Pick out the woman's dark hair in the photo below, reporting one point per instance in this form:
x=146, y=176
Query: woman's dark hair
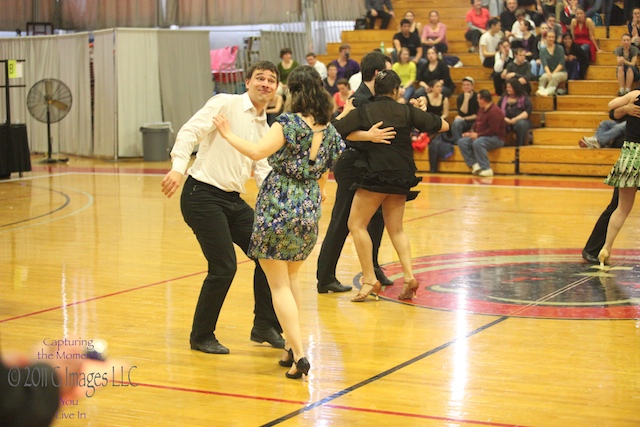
x=385, y=83
x=308, y=95
x=433, y=82
x=518, y=90
x=343, y=82
x=284, y=50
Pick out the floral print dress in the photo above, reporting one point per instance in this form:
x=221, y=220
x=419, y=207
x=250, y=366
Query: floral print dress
x=285, y=225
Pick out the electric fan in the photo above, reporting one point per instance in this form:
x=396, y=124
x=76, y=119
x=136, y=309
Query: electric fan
x=49, y=101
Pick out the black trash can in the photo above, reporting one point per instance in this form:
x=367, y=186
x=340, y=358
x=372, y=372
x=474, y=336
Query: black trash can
x=156, y=141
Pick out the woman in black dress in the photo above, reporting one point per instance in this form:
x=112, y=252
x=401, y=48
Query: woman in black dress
x=387, y=173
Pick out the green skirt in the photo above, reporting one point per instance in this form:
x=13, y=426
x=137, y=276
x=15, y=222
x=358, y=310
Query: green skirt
x=626, y=172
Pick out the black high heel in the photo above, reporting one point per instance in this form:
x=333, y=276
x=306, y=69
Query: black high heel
x=289, y=362
x=302, y=369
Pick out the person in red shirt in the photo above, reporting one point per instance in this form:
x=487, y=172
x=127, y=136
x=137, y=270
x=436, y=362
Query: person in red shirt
x=476, y=18
x=487, y=134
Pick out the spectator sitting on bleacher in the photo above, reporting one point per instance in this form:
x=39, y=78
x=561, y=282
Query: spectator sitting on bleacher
x=477, y=20
x=435, y=34
x=285, y=67
x=548, y=8
x=467, y=104
x=575, y=60
x=407, y=71
x=567, y=14
x=416, y=27
x=552, y=58
x=539, y=43
x=375, y=10
x=405, y=38
x=627, y=68
x=516, y=107
x=346, y=67
x=503, y=56
x=609, y=134
x=489, y=43
x=508, y=17
x=519, y=69
x=341, y=96
x=516, y=28
x=553, y=24
x=437, y=103
x=634, y=27
x=584, y=33
x=330, y=82
x=434, y=69
x=486, y=134
x=528, y=39
x=318, y=65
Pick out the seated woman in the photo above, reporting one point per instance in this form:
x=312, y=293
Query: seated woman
x=439, y=149
x=285, y=66
x=539, y=43
x=633, y=27
x=477, y=19
x=387, y=175
x=416, y=27
x=575, y=60
x=406, y=70
x=627, y=68
x=584, y=34
x=434, y=69
x=341, y=96
x=552, y=58
x=437, y=103
x=435, y=34
x=516, y=106
x=330, y=82
x=567, y=14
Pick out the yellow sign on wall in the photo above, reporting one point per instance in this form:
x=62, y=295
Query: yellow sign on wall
x=15, y=69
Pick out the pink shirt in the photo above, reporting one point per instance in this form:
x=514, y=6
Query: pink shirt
x=428, y=33
x=476, y=20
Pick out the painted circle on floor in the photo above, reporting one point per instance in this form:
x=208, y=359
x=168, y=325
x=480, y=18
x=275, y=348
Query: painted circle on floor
x=525, y=283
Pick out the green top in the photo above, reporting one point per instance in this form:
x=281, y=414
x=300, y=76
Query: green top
x=284, y=73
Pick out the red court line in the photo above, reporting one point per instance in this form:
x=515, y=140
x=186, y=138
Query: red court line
x=124, y=291
x=346, y=408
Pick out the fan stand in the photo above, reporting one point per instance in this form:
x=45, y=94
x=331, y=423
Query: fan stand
x=49, y=159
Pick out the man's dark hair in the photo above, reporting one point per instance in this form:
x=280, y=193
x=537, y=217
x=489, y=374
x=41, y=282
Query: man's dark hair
x=404, y=21
x=265, y=66
x=485, y=95
x=372, y=62
x=492, y=22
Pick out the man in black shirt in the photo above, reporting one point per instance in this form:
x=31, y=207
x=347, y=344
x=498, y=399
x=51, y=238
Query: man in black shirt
x=405, y=38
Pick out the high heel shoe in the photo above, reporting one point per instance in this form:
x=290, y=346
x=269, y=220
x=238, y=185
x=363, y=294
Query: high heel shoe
x=289, y=362
x=603, y=257
x=302, y=368
x=362, y=295
x=409, y=290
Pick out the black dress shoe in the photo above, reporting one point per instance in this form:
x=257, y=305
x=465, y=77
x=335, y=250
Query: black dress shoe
x=269, y=335
x=384, y=280
x=590, y=258
x=333, y=287
x=211, y=346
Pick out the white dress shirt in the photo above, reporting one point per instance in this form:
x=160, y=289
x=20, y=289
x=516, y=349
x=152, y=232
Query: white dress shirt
x=217, y=162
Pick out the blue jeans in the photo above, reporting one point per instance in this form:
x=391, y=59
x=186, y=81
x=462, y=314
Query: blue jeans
x=458, y=127
x=521, y=129
x=475, y=151
x=608, y=130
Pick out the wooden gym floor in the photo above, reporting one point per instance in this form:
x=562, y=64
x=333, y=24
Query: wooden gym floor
x=510, y=327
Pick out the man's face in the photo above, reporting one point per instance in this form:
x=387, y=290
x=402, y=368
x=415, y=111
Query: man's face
x=551, y=21
x=481, y=102
x=405, y=29
x=520, y=57
x=261, y=87
x=311, y=60
x=512, y=5
x=467, y=86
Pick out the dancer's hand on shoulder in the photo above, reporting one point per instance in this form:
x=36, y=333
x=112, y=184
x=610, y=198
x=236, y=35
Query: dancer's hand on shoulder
x=222, y=124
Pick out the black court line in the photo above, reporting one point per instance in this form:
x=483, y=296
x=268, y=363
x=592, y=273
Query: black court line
x=67, y=200
x=383, y=374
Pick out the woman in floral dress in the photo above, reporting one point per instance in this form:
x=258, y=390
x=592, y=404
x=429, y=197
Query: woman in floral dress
x=302, y=145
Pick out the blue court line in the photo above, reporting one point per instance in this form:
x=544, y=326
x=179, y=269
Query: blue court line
x=383, y=374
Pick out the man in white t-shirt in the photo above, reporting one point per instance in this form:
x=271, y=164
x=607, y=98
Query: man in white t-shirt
x=318, y=65
x=489, y=42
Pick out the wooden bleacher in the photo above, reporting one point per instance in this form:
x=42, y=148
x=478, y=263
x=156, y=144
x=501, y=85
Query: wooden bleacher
x=558, y=123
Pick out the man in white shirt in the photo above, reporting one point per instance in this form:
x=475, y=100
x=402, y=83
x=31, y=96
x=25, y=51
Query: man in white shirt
x=318, y=65
x=489, y=42
x=212, y=207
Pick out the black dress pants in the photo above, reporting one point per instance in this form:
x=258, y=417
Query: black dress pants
x=338, y=230
x=219, y=219
x=384, y=17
